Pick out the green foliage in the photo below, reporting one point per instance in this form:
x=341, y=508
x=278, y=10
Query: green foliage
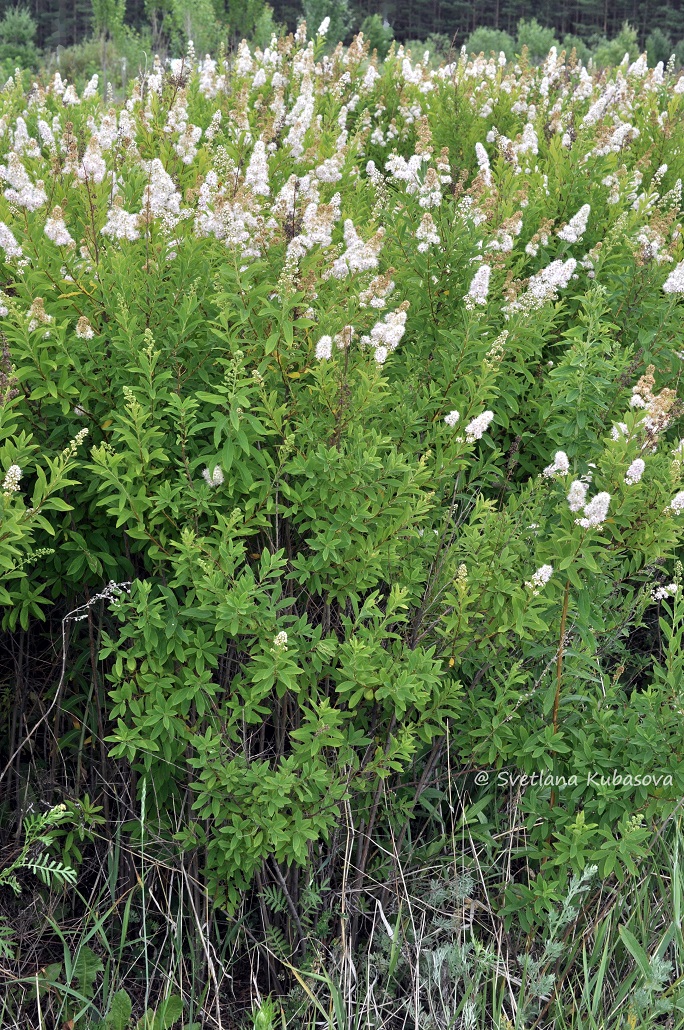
x=658, y=47
x=576, y=43
x=378, y=34
x=536, y=38
x=488, y=41
x=108, y=17
x=612, y=52
x=195, y=21
x=265, y=27
x=39, y=834
x=252, y=20
x=17, y=39
x=339, y=13
x=71, y=986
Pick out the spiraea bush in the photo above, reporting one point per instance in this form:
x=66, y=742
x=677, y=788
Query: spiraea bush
x=358, y=385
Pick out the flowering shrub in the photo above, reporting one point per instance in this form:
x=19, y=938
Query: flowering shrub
x=379, y=369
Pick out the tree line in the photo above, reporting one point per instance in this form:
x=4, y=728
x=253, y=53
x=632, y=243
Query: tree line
x=61, y=23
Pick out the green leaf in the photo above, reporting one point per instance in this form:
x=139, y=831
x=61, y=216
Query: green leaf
x=86, y=968
x=119, y=1014
x=636, y=951
x=167, y=1013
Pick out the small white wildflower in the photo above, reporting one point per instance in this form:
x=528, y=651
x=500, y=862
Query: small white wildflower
x=677, y=502
x=595, y=512
x=483, y=163
x=543, y=287
x=540, y=578
x=38, y=315
x=256, y=176
x=675, y=280
x=452, y=418
x=427, y=233
x=476, y=429
x=56, y=230
x=280, y=641
x=11, y=482
x=574, y=230
x=386, y=335
x=324, y=348
x=662, y=593
x=479, y=288
x=559, y=467
x=635, y=471
x=323, y=27
x=91, y=89
x=8, y=242
x=84, y=330
x=214, y=478
x=577, y=495
x=120, y=224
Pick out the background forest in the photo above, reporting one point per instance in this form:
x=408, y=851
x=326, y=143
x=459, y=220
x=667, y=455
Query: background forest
x=120, y=36
x=60, y=23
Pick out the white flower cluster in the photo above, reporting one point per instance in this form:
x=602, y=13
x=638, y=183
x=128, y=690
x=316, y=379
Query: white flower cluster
x=540, y=578
x=93, y=167
x=120, y=224
x=91, y=88
x=359, y=256
x=452, y=418
x=479, y=288
x=635, y=472
x=662, y=593
x=675, y=280
x=576, y=227
x=427, y=233
x=560, y=466
x=8, y=242
x=378, y=291
x=577, y=495
x=56, y=230
x=476, y=429
x=280, y=641
x=84, y=329
x=256, y=176
x=677, y=503
x=430, y=192
x=214, y=478
x=11, y=481
x=38, y=315
x=595, y=512
x=406, y=171
x=186, y=144
x=386, y=336
x=324, y=348
x=161, y=199
x=483, y=164
x=299, y=118
x=21, y=190
x=543, y=287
